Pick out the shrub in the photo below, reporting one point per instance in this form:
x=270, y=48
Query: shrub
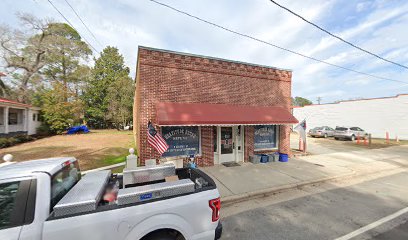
x=10, y=141
x=4, y=142
x=44, y=130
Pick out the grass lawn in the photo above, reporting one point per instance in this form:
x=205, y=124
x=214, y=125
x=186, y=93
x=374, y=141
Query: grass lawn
x=96, y=149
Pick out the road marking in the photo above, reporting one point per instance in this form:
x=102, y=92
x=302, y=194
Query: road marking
x=373, y=225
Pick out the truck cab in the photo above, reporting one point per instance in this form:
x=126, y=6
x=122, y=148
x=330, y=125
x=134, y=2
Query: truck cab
x=31, y=193
x=28, y=192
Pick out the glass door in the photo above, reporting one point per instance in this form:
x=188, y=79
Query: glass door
x=227, y=145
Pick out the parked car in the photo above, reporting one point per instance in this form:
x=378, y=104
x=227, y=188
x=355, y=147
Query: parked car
x=324, y=131
x=48, y=199
x=351, y=133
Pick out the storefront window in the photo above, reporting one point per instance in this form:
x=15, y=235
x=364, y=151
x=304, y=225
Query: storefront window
x=182, y=141
x=265, y=137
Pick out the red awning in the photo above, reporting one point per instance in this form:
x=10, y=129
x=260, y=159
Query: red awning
x=178, y=114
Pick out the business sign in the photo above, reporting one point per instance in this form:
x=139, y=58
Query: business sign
x=181, y=141
x=265, y=137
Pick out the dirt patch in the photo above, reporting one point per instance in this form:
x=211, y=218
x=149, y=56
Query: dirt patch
x=95, y=149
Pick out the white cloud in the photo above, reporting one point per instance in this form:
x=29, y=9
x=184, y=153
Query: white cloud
x=127, y=24
x=362, y=6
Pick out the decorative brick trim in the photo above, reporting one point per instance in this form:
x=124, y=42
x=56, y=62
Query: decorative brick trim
x=191, y=79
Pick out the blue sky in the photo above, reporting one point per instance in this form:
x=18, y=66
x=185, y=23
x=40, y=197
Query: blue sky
x=380, y=26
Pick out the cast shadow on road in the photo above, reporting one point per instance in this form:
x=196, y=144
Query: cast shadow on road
x=325, y=215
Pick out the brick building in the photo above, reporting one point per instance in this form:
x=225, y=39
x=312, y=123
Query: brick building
x=219, y=110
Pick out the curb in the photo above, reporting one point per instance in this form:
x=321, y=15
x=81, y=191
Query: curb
x=268, y=191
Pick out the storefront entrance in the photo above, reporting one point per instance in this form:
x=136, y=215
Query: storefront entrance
x=229, y=144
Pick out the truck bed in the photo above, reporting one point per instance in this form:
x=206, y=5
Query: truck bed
x=202, y=182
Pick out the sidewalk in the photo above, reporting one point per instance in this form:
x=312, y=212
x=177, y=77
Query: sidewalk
x=235, y=183
x=252, y=179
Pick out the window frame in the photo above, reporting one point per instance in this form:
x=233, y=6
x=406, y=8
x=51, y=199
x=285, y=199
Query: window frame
x=277, y=129
x=183, y=156
x=16, y=119
x=76, y=164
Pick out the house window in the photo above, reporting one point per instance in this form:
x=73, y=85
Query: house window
x=13, y=118
x=182, y=141
x=33, y=117
x=265, y=137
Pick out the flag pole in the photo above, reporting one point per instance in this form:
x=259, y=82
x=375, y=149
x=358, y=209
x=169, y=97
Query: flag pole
x=304, y=135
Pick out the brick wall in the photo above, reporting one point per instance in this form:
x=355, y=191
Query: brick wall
x=249, y=142
x=171, y=77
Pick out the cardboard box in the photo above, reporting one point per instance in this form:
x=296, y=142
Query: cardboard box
x=171, y=178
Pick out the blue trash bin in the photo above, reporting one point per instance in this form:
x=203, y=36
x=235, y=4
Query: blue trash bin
x=283, y=157
x=264, y=158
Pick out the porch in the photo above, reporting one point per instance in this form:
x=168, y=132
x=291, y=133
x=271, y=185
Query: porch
x=13, y=121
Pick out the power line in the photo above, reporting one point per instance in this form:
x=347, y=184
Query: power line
x=339, y=38
x=72, y=25
x=89, y=30
x=274, y=45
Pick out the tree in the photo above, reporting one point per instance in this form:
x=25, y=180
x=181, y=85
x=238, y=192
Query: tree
x=300, y=101
x=120, y=95
x=41, y=51
x=57, y=113
x=67, y=50
x=3, y=87
x=24, y=52
x=108, y=73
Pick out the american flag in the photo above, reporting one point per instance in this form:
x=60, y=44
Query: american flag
x=155, y=140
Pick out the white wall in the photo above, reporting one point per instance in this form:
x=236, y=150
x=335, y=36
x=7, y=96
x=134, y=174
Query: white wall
x=33, y=124
x=376, y=116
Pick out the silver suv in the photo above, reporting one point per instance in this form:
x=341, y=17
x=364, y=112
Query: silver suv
x=324, y=131
x=351, y=133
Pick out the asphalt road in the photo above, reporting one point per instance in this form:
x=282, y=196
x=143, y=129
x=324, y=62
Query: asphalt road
x=326, y=211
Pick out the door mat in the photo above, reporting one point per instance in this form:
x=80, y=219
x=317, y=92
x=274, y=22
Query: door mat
x=231, y=164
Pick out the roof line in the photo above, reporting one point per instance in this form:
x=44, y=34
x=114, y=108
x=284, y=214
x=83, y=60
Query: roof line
x=8, y=101
x=213, y=58
x=353, y=100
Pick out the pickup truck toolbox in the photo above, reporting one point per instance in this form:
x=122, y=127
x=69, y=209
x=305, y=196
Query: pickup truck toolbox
x=48, y=199
x=85, y=195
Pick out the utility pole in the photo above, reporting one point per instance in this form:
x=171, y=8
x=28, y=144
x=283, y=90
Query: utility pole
x=319, y=99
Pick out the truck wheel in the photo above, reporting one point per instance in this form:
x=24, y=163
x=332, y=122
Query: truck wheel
x=325, y=135
x=163, y=235
x=336, y=138
x=353, y=138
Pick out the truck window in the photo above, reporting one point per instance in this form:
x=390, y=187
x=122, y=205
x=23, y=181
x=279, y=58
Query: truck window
x=63, y=181
x=8, y=200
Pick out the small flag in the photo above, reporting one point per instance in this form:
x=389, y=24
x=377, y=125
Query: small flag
x=301, y=129
x=156, y=140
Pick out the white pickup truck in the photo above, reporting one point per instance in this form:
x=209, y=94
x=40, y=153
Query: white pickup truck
x=48, y=199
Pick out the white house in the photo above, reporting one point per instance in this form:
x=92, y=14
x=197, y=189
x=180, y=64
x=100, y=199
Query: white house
x=375, y=115
x=18, y=118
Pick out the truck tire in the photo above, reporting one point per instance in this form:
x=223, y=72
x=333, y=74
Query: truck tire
x=353, y=138
x=325, y=135
x=162, y=235
x=336, y=138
